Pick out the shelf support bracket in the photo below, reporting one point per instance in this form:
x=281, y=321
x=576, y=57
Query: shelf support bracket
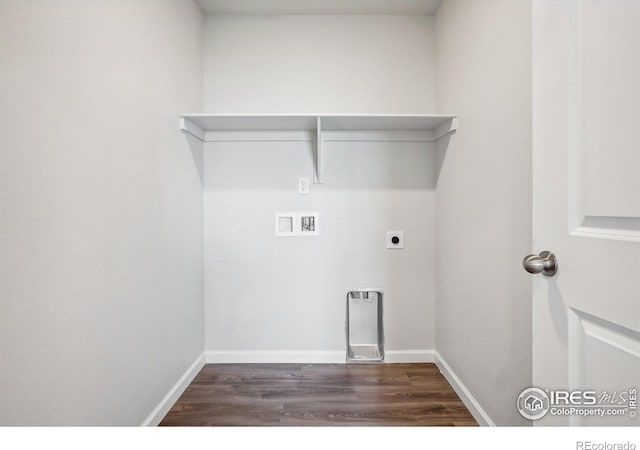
x=188, y=127
x=446, y=129
x=318, y=179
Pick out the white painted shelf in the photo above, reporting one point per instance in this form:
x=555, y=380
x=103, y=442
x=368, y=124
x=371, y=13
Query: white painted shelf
x=319, y=128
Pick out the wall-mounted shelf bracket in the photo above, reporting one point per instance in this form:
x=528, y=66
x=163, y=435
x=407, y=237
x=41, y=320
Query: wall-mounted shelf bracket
x=445, y=129
x=319, y=162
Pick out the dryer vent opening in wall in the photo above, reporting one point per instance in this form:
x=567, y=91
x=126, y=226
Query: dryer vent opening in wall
x=365, y=334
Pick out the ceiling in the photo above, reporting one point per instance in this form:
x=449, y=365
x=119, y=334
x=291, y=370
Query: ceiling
x=410, y=7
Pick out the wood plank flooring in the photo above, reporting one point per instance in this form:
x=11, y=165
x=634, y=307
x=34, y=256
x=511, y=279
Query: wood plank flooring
x=319, y=395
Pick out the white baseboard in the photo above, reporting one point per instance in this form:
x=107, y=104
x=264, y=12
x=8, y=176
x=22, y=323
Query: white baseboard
x=310, y=357
x=273, y=357
x=409, y=356
x=469, y=401
x=174, y=393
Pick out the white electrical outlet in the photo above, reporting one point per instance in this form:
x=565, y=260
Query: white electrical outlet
x=303, y=186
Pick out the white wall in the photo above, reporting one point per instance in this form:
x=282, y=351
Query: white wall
x=100, y=200
x=321, y=63
x=266, y=293
x=288, y=294
x=484, y=200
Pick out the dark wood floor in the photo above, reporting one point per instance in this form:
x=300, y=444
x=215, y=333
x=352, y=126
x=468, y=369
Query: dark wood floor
x=319, y=395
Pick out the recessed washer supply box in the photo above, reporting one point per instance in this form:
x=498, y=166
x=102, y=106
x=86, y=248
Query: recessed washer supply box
x=297, y=224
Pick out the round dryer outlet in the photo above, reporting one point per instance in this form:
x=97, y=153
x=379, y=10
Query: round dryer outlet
x=395, y=239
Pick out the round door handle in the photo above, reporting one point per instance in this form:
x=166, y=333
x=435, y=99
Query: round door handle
x=545, y=263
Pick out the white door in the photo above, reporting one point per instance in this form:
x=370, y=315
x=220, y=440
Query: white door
x=586, y=157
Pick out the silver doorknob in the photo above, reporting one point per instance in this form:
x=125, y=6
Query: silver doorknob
x=545, y=263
